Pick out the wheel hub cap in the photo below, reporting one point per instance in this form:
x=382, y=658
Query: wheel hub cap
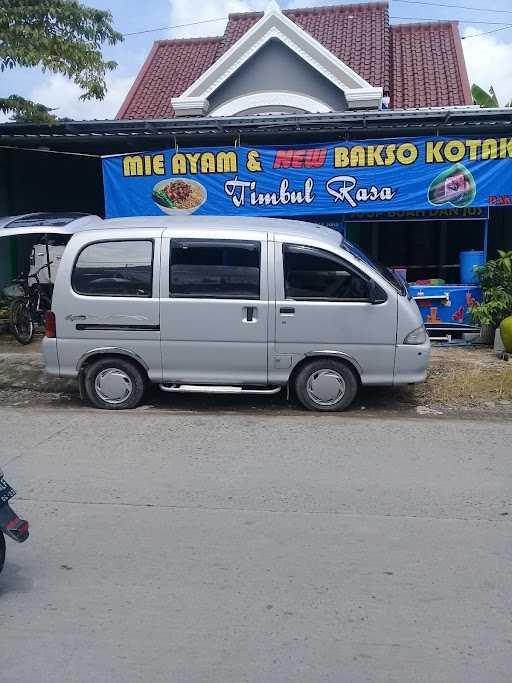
x=113, y=385
x=326, y=387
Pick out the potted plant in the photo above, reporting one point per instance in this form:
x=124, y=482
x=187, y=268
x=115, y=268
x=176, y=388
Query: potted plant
x=496, y=280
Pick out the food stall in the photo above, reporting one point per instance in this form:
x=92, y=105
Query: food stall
x=435, y=251
x=419, y=205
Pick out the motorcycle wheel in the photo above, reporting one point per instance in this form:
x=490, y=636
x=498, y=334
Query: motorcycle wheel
x=2, y=551
x=20, y=321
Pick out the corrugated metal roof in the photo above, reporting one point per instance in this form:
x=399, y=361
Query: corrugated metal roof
x=350, y=125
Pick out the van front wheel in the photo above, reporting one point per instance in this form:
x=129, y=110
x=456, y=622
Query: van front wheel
x=326, y=385
x=114, y=384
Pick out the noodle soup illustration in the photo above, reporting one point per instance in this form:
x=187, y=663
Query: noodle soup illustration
x=179, y=195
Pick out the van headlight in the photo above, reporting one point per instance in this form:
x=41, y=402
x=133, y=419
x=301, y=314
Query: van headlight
x=417, y=336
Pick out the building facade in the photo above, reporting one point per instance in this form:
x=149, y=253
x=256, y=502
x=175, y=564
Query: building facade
x=332, y=92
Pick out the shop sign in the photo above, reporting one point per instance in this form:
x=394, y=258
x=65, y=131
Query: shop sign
x=475, y=213
x=395, y=175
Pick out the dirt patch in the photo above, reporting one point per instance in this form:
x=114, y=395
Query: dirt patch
x=466, y=377
x=8, y=344
x=22, y=375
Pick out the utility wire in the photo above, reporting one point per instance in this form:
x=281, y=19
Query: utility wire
x=485, y=33
x=505, y=24
x=502, y=25
x=445, y=4
x=168, y=28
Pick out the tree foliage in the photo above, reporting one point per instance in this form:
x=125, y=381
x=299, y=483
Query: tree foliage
x=61, y=36
x=496, y=280
x=25, y=111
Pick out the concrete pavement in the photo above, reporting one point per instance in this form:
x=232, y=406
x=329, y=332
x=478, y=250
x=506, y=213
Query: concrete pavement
x=236, y=547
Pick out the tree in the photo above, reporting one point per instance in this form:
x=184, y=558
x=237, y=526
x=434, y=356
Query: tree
x=25, y=111
x=61, y=36
x=486, y=99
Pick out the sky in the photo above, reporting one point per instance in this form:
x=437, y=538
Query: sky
x=488, y=57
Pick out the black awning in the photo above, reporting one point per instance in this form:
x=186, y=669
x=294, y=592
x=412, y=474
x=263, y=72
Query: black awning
x=105, y=137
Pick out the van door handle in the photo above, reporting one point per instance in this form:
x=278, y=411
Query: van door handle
x=250, y=314
x=287, y=311
x=76, y=317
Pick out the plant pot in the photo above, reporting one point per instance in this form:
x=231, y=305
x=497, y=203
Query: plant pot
x=487, y=333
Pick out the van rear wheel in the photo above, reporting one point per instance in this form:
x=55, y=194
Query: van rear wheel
x=114, y=384
x=326, y=385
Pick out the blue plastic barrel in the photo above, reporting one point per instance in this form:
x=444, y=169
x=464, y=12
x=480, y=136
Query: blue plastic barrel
x=468, y=261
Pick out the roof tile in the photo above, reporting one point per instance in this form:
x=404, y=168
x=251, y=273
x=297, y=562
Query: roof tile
x=171, y=67
x=427, y=66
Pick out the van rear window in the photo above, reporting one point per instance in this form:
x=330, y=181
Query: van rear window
x=115, y=268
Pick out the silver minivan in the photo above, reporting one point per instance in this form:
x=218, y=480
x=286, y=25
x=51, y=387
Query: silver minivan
x=229, y=305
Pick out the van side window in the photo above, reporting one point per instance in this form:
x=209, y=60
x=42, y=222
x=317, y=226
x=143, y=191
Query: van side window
x=215, y=269
x=311, y=273
x=115, y=268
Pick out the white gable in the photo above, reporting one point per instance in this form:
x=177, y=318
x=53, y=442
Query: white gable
x=273, y=25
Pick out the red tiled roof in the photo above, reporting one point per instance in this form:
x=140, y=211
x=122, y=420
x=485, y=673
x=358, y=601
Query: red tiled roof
x=356, y=34
x=237, y=26
x=170, y=68
x=428, y=68
x=421, y=65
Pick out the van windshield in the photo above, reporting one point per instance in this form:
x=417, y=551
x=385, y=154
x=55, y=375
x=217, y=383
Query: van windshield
x=387, y=273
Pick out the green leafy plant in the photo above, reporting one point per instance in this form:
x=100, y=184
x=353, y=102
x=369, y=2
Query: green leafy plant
x=61, y=36
x=484, y=98
x=496, y=280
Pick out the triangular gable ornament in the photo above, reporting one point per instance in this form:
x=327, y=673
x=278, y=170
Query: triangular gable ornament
x=359, y=94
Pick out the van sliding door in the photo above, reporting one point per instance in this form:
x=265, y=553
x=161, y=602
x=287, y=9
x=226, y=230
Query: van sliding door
x=214, y=311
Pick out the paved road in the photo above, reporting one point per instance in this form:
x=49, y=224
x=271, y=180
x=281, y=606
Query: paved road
x=229, y=548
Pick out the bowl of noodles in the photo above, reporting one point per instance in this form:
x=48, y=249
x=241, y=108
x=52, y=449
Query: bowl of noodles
x=178, y=195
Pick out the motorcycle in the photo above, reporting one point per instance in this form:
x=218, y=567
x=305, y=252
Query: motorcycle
x=10, y=524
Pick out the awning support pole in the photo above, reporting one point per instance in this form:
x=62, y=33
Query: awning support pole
x=486, y=237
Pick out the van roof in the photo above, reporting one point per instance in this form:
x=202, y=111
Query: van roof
x=289, y=228
x=48, y=223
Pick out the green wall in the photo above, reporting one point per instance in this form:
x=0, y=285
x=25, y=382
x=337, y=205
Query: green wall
x=40, y=181
x=6, y=270
x=500, y=230
x=6, y=274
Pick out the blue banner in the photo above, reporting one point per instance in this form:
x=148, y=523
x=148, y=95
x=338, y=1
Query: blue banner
x=397, y=175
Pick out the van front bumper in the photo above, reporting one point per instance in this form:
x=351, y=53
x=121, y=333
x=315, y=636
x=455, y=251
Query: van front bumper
x=49, y=348
x=411, y=363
